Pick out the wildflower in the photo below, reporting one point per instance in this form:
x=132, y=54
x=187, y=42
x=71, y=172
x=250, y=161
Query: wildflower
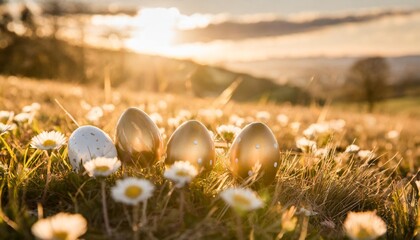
x=295, y=126
x=210, y=115
x=353, y=148
x=108, y=107
x=132, y=190
x=34, y=107
x=393, y=134
x=184, y=114
x=307, y=212
x=5, y=127
x=241, y=199
x=337, y=125
x=94, y=114
x=228, y=132
x=85, y=105
x=236, y=120
x=306, y=145
x=156, y=118
x=364, y=225
x=102, y=167
x=181, y=173
x=282, y=119
x=316, y=129
x=328, y=224
x=263, y=116
x=162, y=105
x=48, y=140
x=6, y=115
x=174, y=122
x=366, y=154
x=60, y=226
x=321, y=152
x=24, y=117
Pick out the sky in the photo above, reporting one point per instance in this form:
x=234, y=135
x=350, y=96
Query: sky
x=282, y=7
x=227, y=31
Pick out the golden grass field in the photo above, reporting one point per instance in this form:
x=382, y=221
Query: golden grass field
x=329, y=186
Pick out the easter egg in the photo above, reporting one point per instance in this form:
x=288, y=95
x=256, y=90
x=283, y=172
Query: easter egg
x=255, y=151
x=138, y=139
x=191, y=142
x=87, y=143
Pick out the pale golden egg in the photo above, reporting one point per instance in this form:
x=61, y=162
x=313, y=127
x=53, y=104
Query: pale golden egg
x=138, y=139
x=255, y=151
x=191, y=142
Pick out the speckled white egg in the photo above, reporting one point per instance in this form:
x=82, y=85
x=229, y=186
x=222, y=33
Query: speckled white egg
x=87, y=143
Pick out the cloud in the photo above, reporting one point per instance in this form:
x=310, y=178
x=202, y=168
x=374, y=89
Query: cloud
x=240, y=30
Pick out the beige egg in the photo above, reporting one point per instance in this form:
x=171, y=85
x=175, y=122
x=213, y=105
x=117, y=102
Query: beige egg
x=138, y=139
x=191, y=142
x=89, y=142
x=255, y=149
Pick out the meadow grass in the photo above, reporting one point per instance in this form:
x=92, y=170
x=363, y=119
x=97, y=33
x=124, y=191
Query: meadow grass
x=322, y=189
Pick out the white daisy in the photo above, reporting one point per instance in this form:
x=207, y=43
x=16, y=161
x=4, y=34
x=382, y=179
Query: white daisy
x=393, y=134
x=263, y=116
x=306, y=212
x=5, y=127
x=34, y=107
x=366, y=154
x=236, y=120
x=174, y=122
x=364, y=225
x=295, y=126
x=95, y=114
x=62, y=226
x=282, y=119
x=156, y=118
x=181, y=173
x=24, y=117
x=210, y=115
x=242, y=199
x=108, y=107
x=353, y=148
x=228, y=132
x=184, y=114
x=6, y=115
x=48, y=140
x=306, y=145
x=132, y=190
x=102, y=167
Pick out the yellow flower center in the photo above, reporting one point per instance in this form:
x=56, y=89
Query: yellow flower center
x=60, y=235
x=133, y=191
x=49, y=143
x=101, y=169
x=241, y=200
x=182, y=173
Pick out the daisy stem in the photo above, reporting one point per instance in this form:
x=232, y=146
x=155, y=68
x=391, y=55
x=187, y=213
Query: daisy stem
x=44, y=195
x=136, y=222
x=143, y=214
x=105, y=209
x=181, y=206
x=239, y=232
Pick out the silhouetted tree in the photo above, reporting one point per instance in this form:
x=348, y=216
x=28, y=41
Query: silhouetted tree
x=367, y=80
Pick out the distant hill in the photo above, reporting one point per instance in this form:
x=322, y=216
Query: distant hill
x=54, y=59
x=321, y=74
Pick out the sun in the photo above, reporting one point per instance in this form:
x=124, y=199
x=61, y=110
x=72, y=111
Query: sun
x=155, y=29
